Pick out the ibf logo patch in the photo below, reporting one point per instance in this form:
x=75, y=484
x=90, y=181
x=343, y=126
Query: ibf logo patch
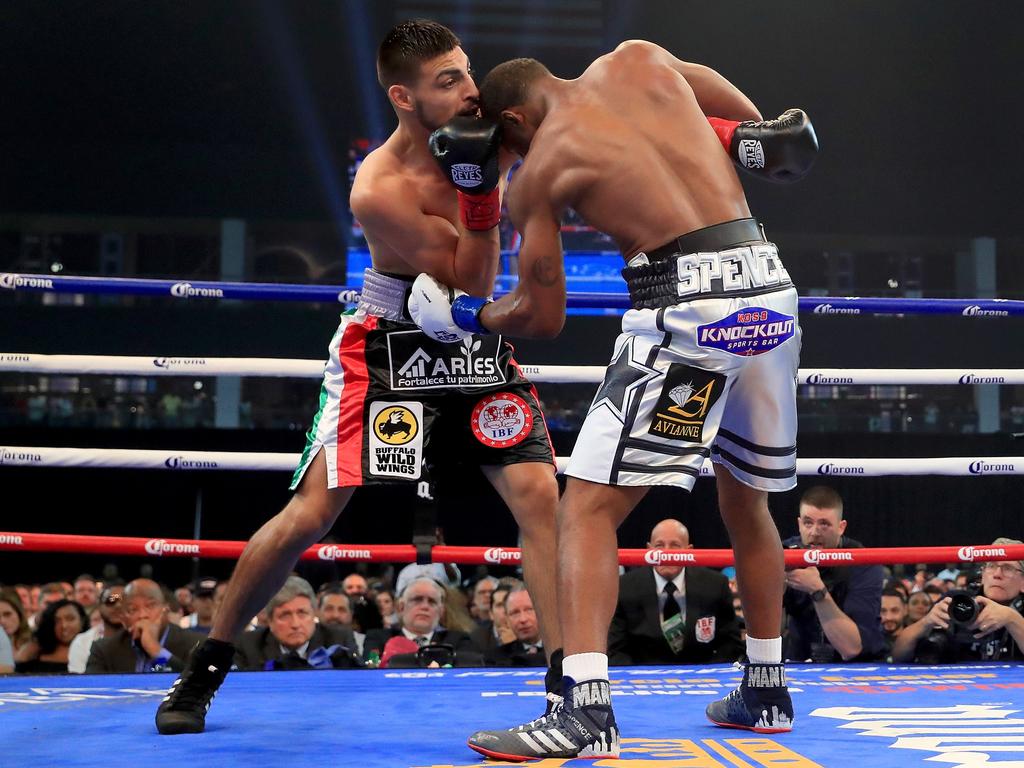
x=746, y=332
x=705, y=629
x=396, y=440
x=467, y=175
x=687, y=397
x=501, y=420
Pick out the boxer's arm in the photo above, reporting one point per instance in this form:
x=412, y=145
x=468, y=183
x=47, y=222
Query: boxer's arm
x=467, y=260
x=536, y=308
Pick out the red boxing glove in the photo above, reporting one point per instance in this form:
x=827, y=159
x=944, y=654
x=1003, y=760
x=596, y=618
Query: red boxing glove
x=395, y=646
x=725, y=130
x=480, y=212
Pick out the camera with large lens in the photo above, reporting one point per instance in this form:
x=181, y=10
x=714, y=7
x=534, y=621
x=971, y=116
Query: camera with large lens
x=944, y=646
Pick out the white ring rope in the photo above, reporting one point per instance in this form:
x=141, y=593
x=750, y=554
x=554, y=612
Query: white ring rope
x=553, y=374
x=120, y=458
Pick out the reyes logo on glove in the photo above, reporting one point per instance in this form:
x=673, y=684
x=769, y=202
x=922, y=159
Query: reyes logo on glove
x=467, y=175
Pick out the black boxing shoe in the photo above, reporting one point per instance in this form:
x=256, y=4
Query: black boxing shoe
x=760, y=704
x=585, y=729
x=184, y=708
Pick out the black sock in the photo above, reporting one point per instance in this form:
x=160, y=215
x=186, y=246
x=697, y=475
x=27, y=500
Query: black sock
x=553, y=677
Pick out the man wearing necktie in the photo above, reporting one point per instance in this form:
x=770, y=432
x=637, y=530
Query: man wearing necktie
x=527, y=650
x=668, y=614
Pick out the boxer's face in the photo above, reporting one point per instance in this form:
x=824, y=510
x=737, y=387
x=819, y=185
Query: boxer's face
x=518, y=127
x=443, y=89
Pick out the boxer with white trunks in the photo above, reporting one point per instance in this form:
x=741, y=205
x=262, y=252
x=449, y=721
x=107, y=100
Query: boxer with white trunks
x=706, y=362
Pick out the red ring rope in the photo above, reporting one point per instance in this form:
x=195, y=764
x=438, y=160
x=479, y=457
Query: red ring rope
x=405, y=553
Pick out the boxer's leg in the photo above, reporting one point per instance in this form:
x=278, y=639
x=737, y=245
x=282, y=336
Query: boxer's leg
x=530, y=491
x=273, y=550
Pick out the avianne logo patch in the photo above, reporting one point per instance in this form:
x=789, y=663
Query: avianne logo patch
x=685, y=401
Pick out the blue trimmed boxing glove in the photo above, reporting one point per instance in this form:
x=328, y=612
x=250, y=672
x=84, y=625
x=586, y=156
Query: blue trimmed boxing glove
x=443, y=313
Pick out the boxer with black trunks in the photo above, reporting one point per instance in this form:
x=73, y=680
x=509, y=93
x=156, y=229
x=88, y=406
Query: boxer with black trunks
x=392, y=397
x=705, y=365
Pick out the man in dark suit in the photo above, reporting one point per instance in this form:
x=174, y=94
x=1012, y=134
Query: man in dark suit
x=527, y=650
x=668, y=614
x=420, y=607
x=148, y=642
x=292, y=638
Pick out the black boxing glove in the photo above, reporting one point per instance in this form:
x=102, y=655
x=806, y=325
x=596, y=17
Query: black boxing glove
x=466, y=148
x=782, y=150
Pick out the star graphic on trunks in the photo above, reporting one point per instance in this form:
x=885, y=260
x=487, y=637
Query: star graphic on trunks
x=624, y=375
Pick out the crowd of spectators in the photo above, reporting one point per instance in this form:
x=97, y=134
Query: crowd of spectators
x=667, y=613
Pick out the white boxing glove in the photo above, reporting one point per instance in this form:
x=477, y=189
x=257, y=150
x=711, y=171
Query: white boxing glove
x=430, y=306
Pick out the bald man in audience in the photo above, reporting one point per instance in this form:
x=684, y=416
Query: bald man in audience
x=148, y=642
x=671, y=614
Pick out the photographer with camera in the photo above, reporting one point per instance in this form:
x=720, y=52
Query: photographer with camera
x=972, y=624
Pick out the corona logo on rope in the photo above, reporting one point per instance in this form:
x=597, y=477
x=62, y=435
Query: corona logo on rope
x=657, y=557
x=160, y=547
x=975, y=311
x=7, y=456
x=186, y=290
x=982, y=467
x=817, y=378
x=12, y=282
x=178, y=362
x=828, y=309
x=10, y=540
x=183, y=462
x=497, y=555
x=967, y=554
x=818, y=557
x=334, y=552
x=970, y=378
x=348, y=297
x=836, y=469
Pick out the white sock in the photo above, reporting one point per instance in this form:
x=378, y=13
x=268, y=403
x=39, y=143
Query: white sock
x=764, y=651
x=586, y=666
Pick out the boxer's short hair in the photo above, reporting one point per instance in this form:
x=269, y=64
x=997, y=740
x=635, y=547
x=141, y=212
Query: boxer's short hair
x=408, y=45
x=508, y=85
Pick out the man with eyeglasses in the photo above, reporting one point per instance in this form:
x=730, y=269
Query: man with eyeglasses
x=832, y=613
x=995, y=633
x=112, y=615
x=148, y=642
x=421, y=608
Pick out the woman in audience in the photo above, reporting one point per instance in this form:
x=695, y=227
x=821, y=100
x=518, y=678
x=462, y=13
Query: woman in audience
x=918, y=605
x=48, y=651
x=386, y=605
x=13, y=619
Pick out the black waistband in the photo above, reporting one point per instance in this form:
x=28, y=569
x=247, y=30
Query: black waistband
x=717, y=237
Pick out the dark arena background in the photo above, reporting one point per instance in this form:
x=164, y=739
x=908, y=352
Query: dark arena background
x=196, y=144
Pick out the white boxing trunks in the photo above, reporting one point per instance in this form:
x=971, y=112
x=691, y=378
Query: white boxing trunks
x=713, y=374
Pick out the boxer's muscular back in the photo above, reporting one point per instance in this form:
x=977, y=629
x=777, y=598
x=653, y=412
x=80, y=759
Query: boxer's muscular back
x=631, y=151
